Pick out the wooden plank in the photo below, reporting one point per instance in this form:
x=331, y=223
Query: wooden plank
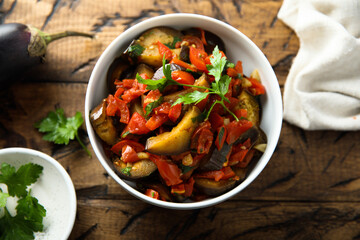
x=307, y=165
x=132, y=219
x=73, y=59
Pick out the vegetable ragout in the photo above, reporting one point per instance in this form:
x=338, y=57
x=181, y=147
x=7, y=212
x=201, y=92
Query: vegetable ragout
x=181, y=119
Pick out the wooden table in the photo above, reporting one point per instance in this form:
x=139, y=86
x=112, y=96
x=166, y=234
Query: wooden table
x=309, y=190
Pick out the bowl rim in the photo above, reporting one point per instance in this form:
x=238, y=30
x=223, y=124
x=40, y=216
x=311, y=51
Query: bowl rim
x=211, y=201
x=68, y=182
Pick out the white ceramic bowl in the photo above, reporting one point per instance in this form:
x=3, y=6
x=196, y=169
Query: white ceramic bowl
x=238, y=46
x=54, y=190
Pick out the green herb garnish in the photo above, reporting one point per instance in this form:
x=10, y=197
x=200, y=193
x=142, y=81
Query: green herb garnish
x=60, y=129
x=136, y=50
x=126, y=171
x=29, y=213
x=219, y=87
x=152, y=105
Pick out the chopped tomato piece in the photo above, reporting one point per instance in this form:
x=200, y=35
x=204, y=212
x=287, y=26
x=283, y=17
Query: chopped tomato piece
x=169, y=171
x=203, y=39
x=231, y=72
x=137, y=124
x=217, y=175
x=194, y=42
x=152, y=193
x=156, y=121
x=202, y=104
x=117, y=107
x=175, y=112
x=239, y=67
x=216, y=120
x=117, y=148
x=197, y=58
x=164, y=50
x=183, y=64
x=240, y=113
x=135, y=91
x=247, y=159
x=236, y=128
x=128, y=83
x=163, y=108
x=118, y=92
x=202, y=138
x=128, y=154
x=257, y=88
x=183, y=77
x=239, y=152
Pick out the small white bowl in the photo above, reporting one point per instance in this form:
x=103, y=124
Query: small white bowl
x=53, y=189
x=238, y=46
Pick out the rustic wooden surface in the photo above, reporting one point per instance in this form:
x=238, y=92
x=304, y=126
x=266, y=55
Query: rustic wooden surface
x=309, y=190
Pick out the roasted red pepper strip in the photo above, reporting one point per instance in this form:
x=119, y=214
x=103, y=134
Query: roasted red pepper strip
x=217, y=175
x=117, y=107
x=175, y=112
x=236, y=128
x=117, y=148
x=135, y=91
x=164, y=50
x=216, y=120
x=257, y=87
x=169, y=171
x=183, y=64
x=152, y=193
x=183, y=77
x=128, y=154
x=197, y=58
x=239, y=67
x=156, y=121
x=189, y=187
x=137, y=124
x=152, y=96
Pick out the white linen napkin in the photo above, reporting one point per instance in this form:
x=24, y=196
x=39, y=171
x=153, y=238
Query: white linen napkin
x=322, y=90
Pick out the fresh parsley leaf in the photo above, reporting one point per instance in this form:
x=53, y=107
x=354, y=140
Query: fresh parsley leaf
x=3, y=198
x=136, y=50
x=30, y=209
x=126, y=171
x=192, y=97
x=17, y=181
x=217, y=64
x=60, y=129
x=229, y=64
x=152, y=84
x=15, y=228
x=224, y=84
x=152, y=105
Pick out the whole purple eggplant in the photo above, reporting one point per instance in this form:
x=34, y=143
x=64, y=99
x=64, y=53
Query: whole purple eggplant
x=22, y=47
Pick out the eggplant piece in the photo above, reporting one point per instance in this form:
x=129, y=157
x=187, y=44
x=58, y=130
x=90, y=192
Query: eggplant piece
x=178, y=139
x=251, y=104
x=218, y=157
x=144, y=69
x=213, y=188
x=160, y=72
x=147, y=42
x=120, y=68
x=140, y=169
x=22, y=47
x=212, y=39
x=103, y=124
x=136, y=106
x=184, y=53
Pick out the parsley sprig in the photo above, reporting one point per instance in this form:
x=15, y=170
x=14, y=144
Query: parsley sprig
x=29, y=212
x=60, y=129
x=219, y=87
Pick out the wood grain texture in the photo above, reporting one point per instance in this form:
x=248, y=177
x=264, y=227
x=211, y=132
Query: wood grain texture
x=309, y=190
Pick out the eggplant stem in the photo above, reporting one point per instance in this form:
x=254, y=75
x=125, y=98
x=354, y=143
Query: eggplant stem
x=55, y=36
